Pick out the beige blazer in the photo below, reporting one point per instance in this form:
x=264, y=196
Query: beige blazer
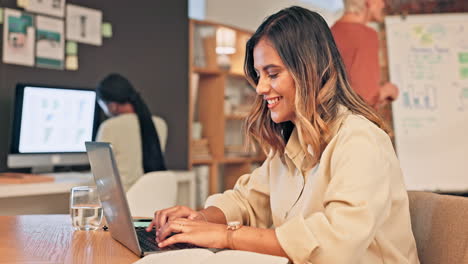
x=123, y=132
x=351, y=208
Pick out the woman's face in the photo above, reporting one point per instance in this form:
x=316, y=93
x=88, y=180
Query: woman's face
x=275, y=83
x=107, y=108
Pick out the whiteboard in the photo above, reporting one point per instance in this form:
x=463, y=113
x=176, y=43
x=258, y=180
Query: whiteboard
x=428, y=61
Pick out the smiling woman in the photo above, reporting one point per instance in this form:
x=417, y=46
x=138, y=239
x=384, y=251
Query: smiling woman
x=331, y=189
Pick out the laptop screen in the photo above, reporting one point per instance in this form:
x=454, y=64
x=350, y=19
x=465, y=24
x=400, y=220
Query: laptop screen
x=112, y=194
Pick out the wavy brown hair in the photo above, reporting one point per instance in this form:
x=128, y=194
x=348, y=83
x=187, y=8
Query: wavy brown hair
x=307, y=48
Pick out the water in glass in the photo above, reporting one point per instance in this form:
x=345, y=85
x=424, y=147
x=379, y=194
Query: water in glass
x=86, y=217
x=85, y=208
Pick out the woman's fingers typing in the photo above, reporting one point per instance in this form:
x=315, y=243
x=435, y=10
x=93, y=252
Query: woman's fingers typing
x=172, y=227
x=161, y=217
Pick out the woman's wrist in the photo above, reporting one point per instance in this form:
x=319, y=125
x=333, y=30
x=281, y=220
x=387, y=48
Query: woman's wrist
x=228, y=236
x=230, y=229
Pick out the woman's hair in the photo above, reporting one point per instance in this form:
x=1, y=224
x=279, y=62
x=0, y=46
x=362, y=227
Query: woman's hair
x=306, y=47
x=354, y=6
x=116, y=88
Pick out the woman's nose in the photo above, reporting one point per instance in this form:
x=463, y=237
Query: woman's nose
x=262, y=87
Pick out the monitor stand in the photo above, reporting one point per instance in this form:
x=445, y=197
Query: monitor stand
x=42, y=169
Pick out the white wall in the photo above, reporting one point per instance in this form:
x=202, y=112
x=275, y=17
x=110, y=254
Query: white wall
x=197, y=9
x=249, y=14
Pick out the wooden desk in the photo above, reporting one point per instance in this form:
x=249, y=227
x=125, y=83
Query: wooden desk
x=51, y=239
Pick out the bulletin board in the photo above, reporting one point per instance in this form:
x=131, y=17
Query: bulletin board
x=428, y=61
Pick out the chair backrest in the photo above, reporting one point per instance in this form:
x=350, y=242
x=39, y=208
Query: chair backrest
x=151, y=192
x=440, y=227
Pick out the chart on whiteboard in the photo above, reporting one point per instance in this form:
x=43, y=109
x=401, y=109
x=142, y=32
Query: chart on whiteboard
x=428, y=61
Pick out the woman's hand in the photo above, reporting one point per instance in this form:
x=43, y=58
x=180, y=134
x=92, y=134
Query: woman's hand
x=195, y=232
x=161, y=217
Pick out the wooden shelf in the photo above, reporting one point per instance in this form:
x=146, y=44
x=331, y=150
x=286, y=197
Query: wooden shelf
x=236, y=116
x=215, y=24
x=241, y=159
x=206, y=161
x=204, y=71
x=214, y=71
x=209, y=102
x=236, y=75
x=233, y=160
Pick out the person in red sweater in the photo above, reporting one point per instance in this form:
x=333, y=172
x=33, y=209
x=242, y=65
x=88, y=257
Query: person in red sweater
x=359, y=48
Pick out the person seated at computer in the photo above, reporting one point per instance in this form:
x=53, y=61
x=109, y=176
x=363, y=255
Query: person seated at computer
x=137, y=145
x=331, y=189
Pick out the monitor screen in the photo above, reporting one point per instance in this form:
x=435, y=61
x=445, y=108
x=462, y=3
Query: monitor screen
x=53, y=119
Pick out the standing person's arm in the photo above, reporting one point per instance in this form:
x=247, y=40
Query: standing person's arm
x=388, y=93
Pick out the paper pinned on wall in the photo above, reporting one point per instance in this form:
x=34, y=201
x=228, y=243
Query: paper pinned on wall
x=72, y=48
x=71, y=63
x=47, y=7
x=18, y=38
x=106, y=30
x=84, y=25
x=1, y=15
x=22, y=3
x=50, y=42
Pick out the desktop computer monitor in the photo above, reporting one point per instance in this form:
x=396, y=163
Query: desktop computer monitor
x=50, y=126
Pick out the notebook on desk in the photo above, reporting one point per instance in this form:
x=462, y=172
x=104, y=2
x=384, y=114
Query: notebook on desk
x=115, y=206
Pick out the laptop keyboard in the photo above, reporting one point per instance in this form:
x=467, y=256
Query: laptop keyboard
x=147, y=241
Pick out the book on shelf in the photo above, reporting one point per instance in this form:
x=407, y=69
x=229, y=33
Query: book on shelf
x=202, y=157
x=205, y=256
x=200, y=148
x=200, y=142
x=194, y=81
x=204, y=44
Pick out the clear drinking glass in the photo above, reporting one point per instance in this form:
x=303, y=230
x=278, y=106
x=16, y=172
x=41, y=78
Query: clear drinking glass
x=85, y=208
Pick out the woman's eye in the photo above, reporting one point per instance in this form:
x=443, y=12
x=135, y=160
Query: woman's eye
x=273, y=76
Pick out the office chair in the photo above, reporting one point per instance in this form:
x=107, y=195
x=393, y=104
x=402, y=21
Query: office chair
x=440, y=227
x=158, y=189
x=153, y=191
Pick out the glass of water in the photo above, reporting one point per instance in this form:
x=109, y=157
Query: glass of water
x=85, y=208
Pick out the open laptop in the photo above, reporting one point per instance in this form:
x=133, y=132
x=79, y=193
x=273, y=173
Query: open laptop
x=115, y=206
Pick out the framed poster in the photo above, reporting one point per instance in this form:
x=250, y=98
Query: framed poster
x=50, y=44
x=18, y=38
x=47, y=7
x=84, y=25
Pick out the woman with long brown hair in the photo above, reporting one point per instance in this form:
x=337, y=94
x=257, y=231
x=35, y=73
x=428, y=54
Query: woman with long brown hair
x=331, y=189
